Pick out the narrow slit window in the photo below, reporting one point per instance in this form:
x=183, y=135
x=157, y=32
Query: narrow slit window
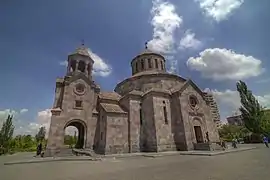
x=141, y=117
x=141, y=121
x=165, y=113
x=101, y=136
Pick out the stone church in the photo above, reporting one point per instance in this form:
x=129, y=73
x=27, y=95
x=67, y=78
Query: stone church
x=150, y=111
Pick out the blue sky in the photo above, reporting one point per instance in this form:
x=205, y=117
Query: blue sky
x=213, y=42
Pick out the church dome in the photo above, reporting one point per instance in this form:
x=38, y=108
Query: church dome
x=148, y=60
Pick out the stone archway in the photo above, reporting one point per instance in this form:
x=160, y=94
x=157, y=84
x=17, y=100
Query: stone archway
x=81, y=127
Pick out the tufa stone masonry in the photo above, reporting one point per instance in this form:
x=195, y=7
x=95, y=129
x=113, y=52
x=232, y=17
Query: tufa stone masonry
x=150, y=111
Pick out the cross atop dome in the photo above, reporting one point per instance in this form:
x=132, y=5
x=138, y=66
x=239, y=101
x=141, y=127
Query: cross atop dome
x=146, y=45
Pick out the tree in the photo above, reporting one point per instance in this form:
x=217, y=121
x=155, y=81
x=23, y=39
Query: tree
x=252, y=112
x=6, y=134
x=40, y=136
x=229, y=132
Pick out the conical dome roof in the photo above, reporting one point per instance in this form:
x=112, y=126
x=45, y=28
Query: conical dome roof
x=82, y=50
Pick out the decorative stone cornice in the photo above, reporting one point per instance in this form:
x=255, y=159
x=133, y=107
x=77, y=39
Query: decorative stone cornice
x=150, y=74
x=56, y=111
x=157, y=91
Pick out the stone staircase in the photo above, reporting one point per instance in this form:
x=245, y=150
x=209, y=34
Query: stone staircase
x=65, y=152
x=207, y=147
x=84, y=152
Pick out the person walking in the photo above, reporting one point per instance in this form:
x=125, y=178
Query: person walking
x=234, y=141
x=265, y=141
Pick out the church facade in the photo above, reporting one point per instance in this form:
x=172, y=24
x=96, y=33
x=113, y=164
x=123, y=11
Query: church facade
x=150, y=111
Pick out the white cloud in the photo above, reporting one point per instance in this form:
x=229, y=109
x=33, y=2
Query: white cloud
x=222, y=64
x=43, y=118
x=4, y=113
x=15, y=113
x=165, y=22
x=100, y=67
x=71, y=130
x=228, y=97
x=230, y=100
x=219, y=9
x=189, y=41
x=20, y=125
x=23, y=110
x=64, y=63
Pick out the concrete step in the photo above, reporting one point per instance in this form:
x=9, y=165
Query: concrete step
x=65, y=152
x=84, y=152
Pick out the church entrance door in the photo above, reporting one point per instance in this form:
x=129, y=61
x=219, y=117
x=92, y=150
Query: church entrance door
x=198, y=134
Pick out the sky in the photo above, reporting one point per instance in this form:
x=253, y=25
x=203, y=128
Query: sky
x=213, y=42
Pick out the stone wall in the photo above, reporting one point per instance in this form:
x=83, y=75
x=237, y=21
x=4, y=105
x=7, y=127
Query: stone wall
x=178, y=130
x=200, y=116
x=163, y=126
x=56, y=136
x=149, y=142
x=117, y=134
x=69, y=112
x=135, y=130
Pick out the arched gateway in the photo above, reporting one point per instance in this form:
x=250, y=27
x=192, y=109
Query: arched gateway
x=150, y=111
x=81, y=136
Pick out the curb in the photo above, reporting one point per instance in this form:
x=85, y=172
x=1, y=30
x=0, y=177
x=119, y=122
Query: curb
x=217, y=153
x=51, y=160
x=127, y=156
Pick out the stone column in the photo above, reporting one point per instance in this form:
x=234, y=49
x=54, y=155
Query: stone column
x=77, y=65
x=86, y=69
x=68, y=67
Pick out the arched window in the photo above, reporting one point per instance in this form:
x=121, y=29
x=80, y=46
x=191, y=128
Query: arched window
x=156, y=62
x=73, y=65
x=149, y=63
x=81, y=66
x=133, y=68
x=193, y=101
x=136, y=65
x=142, y=64
x=165, y=113
x=162, y=65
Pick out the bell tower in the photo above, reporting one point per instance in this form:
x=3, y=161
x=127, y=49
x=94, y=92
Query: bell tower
x=80, y=61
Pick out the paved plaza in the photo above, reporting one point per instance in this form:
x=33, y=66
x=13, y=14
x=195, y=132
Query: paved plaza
x=246, y=165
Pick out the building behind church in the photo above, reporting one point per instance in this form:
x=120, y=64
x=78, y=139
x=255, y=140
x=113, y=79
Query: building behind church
x=150, y=111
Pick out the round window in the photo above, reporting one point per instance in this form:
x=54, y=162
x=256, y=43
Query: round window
x=80, y=88
x=193, y=101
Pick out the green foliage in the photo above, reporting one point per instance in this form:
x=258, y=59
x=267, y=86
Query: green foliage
x=20, y=143
x=253, y=114
x=6, y=134
x=229, y=132
x=70, y=140
x=23, y=143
